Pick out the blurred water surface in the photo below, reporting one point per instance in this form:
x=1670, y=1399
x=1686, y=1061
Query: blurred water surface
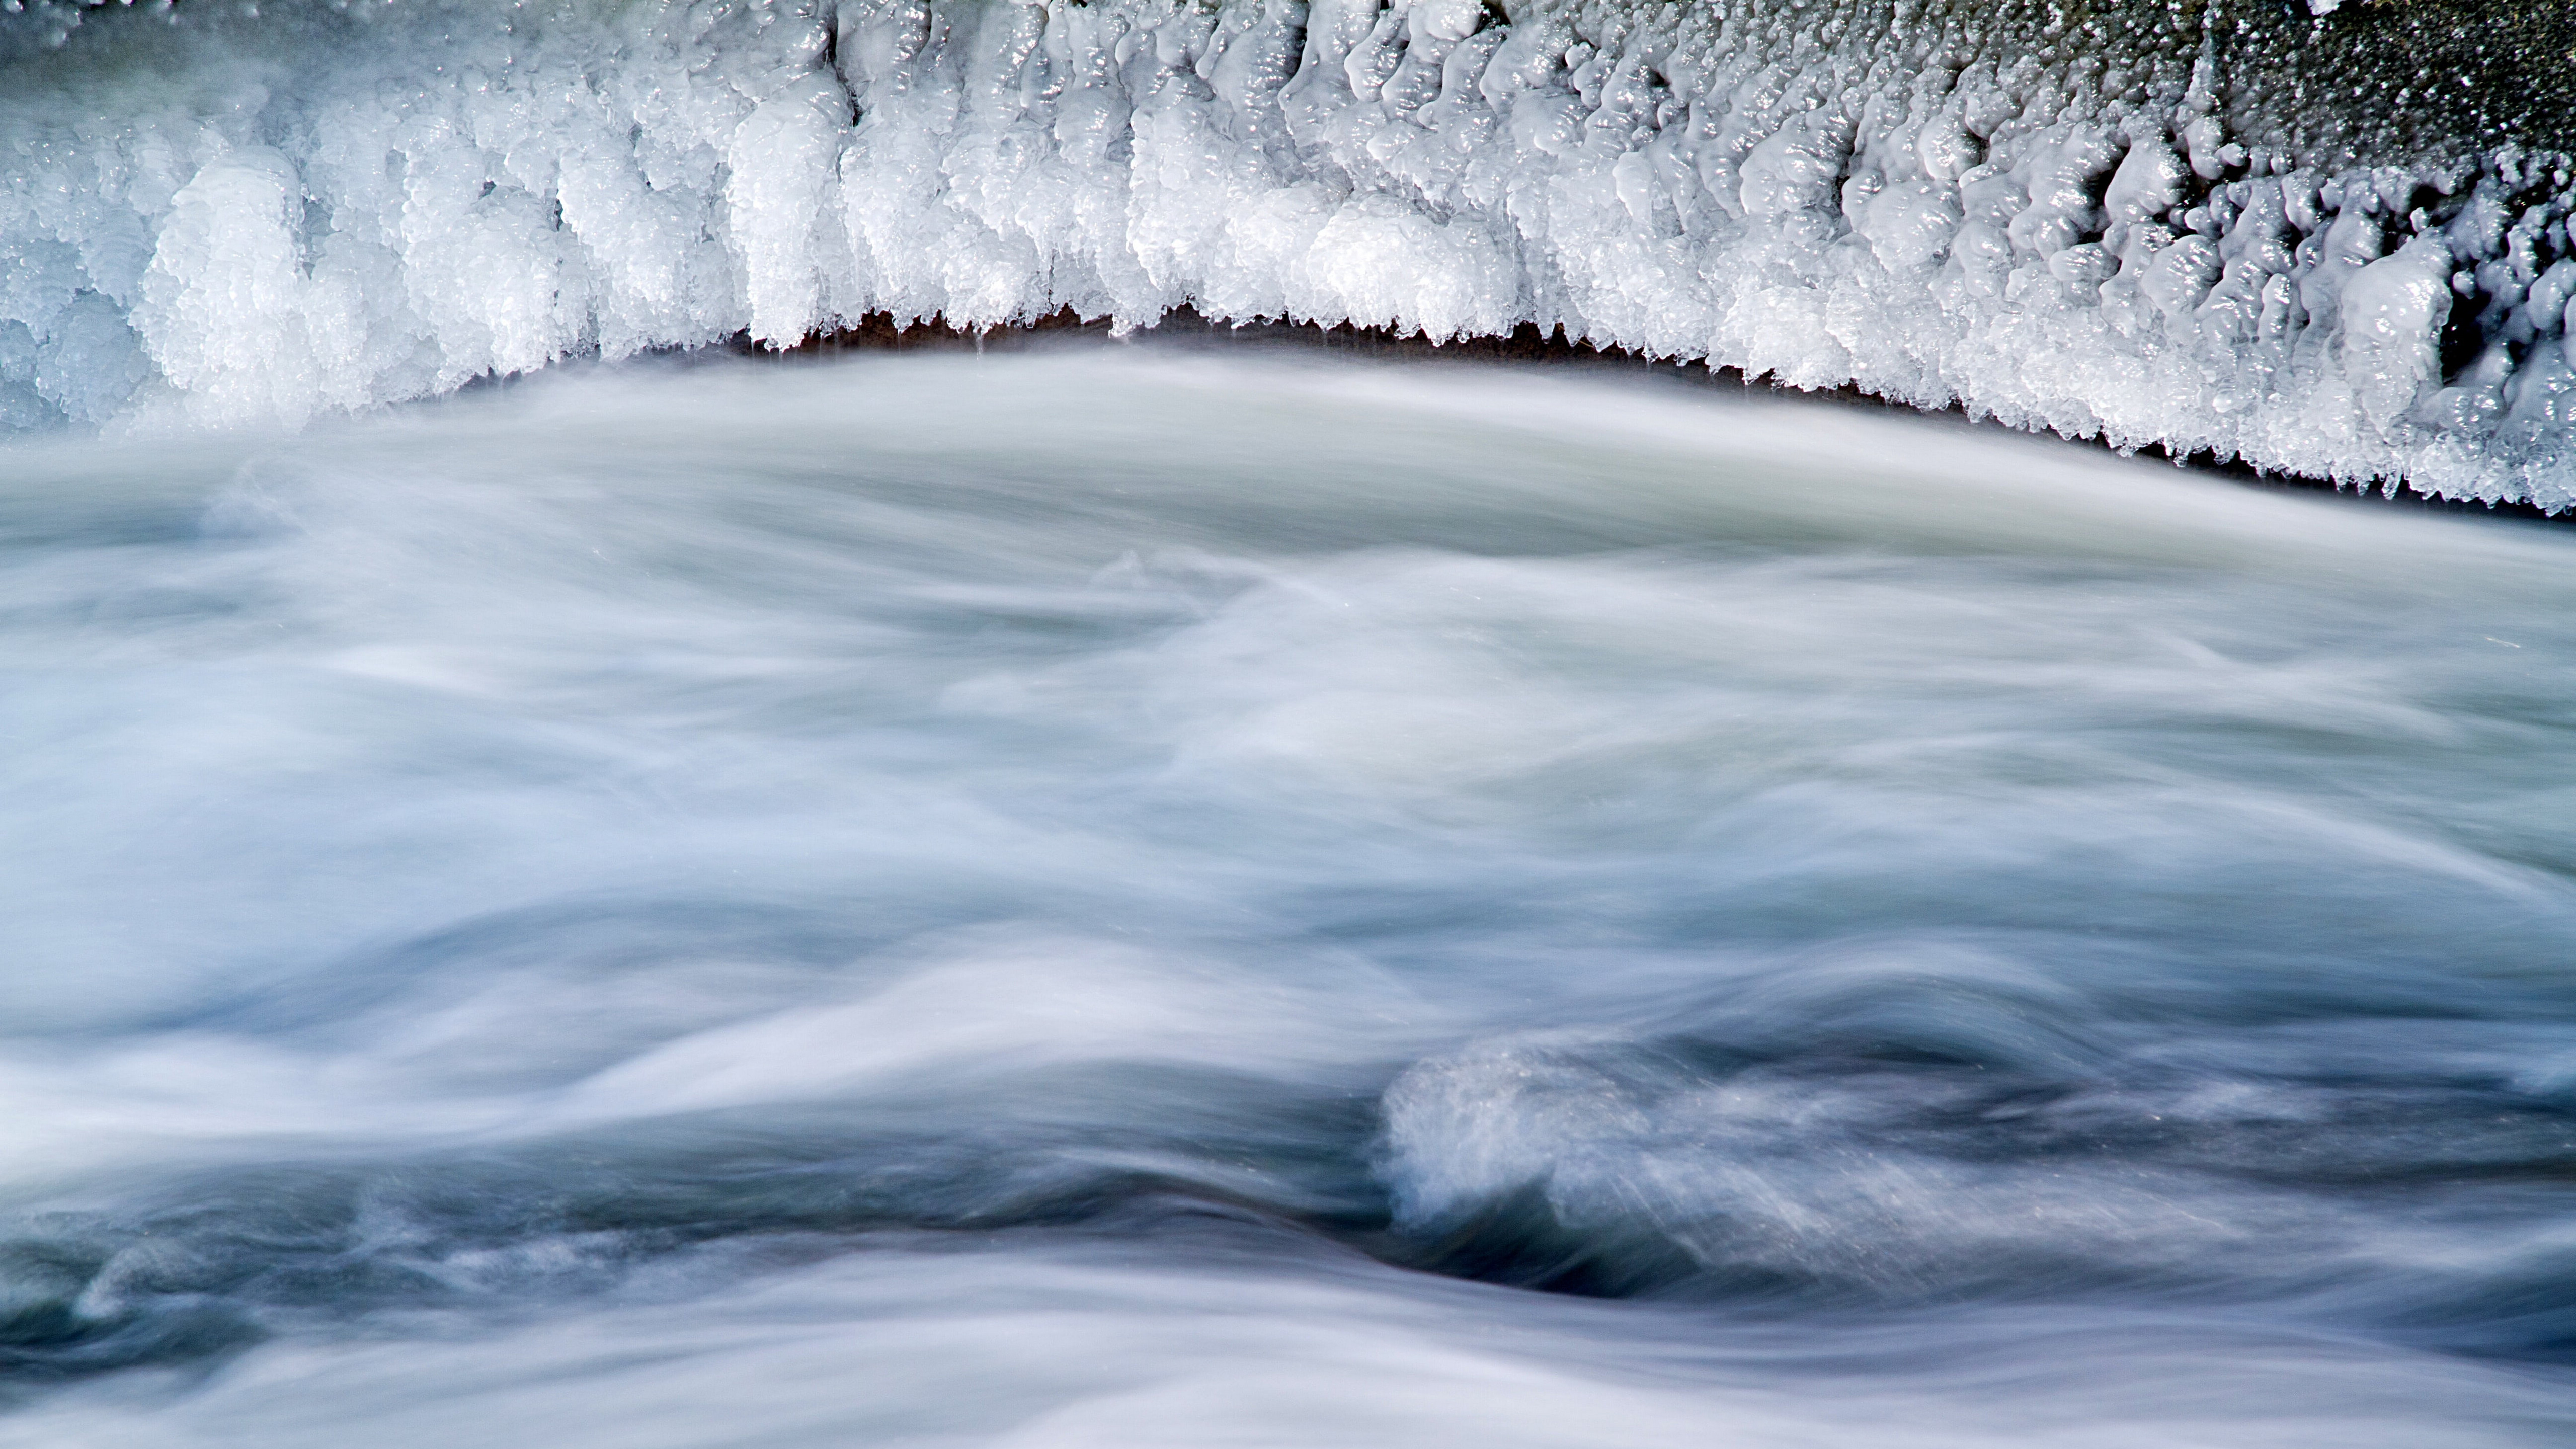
x=1143, y=898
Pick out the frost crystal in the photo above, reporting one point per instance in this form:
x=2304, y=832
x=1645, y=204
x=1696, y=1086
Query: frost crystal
x=2116, y=220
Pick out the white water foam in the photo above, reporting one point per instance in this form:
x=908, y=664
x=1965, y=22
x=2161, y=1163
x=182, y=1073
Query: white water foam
x=217, y=216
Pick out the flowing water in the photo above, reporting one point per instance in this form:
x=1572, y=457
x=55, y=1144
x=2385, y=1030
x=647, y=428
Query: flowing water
x=1140, y=897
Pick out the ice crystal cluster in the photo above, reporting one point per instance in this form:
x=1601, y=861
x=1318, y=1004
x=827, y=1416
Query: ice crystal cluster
x=2152, y=224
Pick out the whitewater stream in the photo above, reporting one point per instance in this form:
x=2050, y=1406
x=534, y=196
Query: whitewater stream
x=1126, y=895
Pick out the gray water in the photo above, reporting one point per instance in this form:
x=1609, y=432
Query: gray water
x=1144, y=898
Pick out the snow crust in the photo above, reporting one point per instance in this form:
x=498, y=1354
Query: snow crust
x=212, y=215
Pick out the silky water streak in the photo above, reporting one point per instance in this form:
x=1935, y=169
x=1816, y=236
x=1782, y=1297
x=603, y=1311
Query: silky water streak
x=1177, y=899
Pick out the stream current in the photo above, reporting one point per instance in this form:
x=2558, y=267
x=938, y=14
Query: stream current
x=1131, y=896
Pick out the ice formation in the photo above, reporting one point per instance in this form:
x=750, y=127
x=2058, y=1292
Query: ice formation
x=2157, y=224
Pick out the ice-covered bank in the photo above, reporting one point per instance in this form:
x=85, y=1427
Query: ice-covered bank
x=2332, y=243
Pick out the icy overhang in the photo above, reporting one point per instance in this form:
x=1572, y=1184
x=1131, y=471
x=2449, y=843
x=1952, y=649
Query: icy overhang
x=2332, y=244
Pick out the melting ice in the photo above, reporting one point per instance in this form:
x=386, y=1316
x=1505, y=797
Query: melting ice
x=2151, y=224
x=1157, y=899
